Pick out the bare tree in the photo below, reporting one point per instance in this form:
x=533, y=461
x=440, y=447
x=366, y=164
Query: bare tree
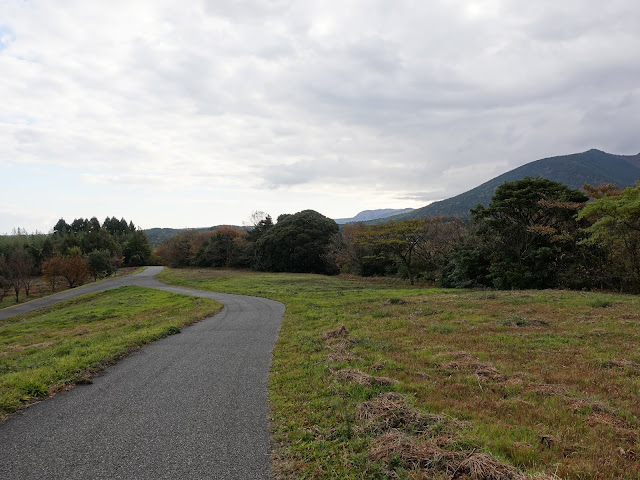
x=20, y=270
x=5, y=284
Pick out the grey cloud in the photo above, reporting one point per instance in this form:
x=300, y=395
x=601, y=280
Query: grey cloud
x=414, y=100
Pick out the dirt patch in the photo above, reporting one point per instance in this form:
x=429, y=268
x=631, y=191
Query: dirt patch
x=358, y=376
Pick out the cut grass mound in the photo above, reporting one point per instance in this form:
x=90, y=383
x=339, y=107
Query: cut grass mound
x=49, y=350
x=495, y=385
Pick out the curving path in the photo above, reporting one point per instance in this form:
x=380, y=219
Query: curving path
x=190, y=406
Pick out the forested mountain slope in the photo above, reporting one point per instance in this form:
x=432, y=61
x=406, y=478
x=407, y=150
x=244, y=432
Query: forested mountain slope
x=593, y=167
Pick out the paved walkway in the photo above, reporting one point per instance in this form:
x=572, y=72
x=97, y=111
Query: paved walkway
x=190, y=406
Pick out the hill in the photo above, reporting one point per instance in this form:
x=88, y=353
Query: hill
x=158, y=235
x=593, y=167
x=366, y=215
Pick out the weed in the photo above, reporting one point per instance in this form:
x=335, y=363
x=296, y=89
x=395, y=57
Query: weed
x=599, y=302
x=170, y=330
x=397, y=301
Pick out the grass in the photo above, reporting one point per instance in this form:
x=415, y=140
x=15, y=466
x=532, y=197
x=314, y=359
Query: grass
x=48, y=350
x=472, y=384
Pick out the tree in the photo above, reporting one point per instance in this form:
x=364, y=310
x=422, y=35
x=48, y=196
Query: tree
x=61, y=228
x=100, y=264
x=179, y=250
x=221, y=249
x=5, y=283
x=79, y=225
x=437, y=238
x=615, y=226
x=74, y=269
x=52, y=271
x=297, y=244
x=530, y=228
x=399, y=239
x=137, y=249
x=263, y=223
x=20, y=268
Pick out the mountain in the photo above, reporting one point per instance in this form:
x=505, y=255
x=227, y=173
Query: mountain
x=593, y=167
x=366, y=215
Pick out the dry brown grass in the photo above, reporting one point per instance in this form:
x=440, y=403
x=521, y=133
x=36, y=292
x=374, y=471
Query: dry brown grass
x=390, y=411
x=427, y=456
x=339, y=332
x=472, y=355
x=466, y=362
x=361, y=378
x=621, y=363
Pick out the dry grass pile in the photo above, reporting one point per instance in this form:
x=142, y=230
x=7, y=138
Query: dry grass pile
x=339, y=332
x=390, y=411
x=358, y=376
x=466, y=362
x=413, y=454
x=338, y=342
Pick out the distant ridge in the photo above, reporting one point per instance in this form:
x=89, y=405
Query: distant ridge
x=366, y=215
x=592, y=167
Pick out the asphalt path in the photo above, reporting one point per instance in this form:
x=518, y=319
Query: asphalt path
x=190, y=406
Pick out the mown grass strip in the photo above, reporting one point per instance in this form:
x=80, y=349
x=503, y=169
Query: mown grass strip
x=51, y=349
x=467, y=384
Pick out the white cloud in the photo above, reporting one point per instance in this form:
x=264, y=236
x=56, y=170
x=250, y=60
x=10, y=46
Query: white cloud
x=250, y=103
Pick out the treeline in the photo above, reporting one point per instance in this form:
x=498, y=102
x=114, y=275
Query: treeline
x=535, y=233
x=70, y=254
x=295, y=243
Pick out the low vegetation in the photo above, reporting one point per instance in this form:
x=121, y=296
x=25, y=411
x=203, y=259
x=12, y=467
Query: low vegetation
x=69, y=255
x=48, y=350
x=372, y=378
x=43, y=287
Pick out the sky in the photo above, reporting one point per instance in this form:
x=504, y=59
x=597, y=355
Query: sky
x=200, y=112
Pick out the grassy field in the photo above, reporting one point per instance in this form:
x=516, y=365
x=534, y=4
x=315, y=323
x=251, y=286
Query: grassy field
x=375, y=379
x=50, y=349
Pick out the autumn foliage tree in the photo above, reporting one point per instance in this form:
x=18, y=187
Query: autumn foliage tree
x=52, y=271
x=74, y=269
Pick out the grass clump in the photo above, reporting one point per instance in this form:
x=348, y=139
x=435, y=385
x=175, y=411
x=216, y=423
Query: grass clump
x=48, y=350
x=477, y=390
x=599, y=302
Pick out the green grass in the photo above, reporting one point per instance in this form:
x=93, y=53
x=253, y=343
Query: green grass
x=50, y=349
x=541, y=381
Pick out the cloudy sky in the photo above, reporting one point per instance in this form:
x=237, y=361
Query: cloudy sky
x=199, y=112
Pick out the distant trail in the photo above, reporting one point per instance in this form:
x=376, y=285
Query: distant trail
x=192, y=405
